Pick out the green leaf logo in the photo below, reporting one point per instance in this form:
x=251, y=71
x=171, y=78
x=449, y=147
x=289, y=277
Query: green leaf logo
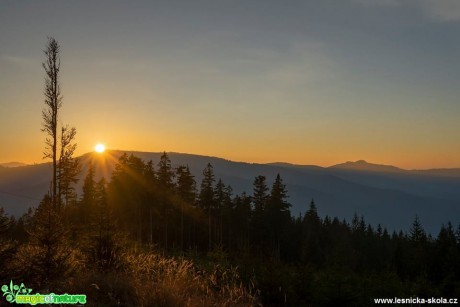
x=13, y=290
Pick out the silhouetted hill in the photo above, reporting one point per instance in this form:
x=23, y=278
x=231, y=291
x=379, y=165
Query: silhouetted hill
x=23, y=187
x=362, y=165
x=383, y=194
x=12, y=164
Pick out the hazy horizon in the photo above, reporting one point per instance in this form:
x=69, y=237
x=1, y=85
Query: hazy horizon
x=237, y=161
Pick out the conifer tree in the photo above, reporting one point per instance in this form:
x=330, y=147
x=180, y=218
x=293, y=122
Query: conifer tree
x=68, y=167
x=241, y=222
x=88, y=198
x=379, y=232
x=311, y=216
x=47, y=259
x=446, y=255
x=186, y=185
x=149, y=173
x=278, y=214
x=416, y=250
x=206, y=197
x=457, y=235
x=310, y=242
x=259, y=201
x=260, y=196
x=222, y=203
x=152, y=199
x=105, y=251
x=165, y=173
x=417, y=233
x=4, y=224
x=278, y=196
x=128, y=194
x=186, y=189
x=7, y=245
x=165, y=179
x=219, y=200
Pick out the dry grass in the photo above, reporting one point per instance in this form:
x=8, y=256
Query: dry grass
x=162, y=281
x=150, y=279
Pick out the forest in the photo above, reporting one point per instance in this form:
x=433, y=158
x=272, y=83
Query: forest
x=151, y=235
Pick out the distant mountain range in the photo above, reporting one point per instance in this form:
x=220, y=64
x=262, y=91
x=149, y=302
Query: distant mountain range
x=12, y=164
x=382, y=194
x=364, y=166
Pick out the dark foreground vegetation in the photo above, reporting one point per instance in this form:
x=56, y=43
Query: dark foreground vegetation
x=151, y=236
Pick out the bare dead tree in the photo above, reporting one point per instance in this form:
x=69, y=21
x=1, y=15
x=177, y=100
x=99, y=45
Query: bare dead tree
x=53, y=102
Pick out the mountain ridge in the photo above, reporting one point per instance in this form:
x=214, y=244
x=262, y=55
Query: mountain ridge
x=389, y=198
x=12, y=164
x=363, y=165
x=353, y=165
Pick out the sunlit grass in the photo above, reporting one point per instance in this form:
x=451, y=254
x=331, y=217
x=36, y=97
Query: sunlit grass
x=172, y=282
x=151, y=279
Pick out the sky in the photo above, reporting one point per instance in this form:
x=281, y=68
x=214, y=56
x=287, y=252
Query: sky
x=305, y=82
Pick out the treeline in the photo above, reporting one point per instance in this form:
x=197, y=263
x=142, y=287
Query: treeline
x=291, y=260
x=165, y=206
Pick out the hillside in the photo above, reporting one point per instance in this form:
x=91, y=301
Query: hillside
x=12, y=164
x=383, y=194
x=362, y=165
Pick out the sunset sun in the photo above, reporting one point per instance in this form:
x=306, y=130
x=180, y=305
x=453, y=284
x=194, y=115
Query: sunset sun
x=99, y=148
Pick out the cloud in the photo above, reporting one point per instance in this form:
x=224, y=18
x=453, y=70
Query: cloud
x=436, y=10
x=394, y=3
x=18, y=60
x=442, y=10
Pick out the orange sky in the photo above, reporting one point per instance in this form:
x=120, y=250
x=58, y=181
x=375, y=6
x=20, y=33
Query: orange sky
x=312, y=83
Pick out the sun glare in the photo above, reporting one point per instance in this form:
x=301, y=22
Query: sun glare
x=99, y=148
